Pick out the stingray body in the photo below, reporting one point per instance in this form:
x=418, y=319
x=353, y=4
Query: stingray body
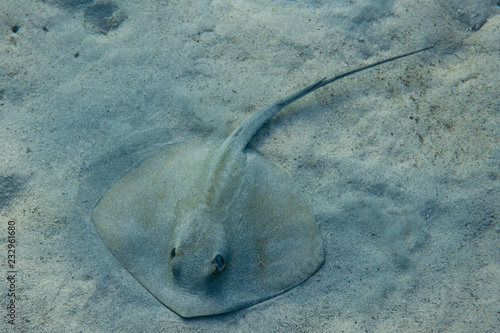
x=212, y=228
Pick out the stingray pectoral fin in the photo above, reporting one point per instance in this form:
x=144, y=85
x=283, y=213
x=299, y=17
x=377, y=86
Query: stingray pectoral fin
x=276, y=232
x=136, y=215
x=123, y=217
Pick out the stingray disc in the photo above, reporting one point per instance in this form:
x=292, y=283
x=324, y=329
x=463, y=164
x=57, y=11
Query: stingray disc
x=199, y=259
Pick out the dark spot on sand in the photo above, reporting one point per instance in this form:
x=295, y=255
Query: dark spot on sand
x=103, y=17
x=10, y=186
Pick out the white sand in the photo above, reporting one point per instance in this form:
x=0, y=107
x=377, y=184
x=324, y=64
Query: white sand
x=400, y=163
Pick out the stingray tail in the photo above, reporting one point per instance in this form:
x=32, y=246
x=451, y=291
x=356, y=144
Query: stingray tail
x=243, y=133
x=237, y=141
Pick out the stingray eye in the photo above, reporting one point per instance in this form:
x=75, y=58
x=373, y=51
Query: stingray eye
x=172, y=253
x=219, y=263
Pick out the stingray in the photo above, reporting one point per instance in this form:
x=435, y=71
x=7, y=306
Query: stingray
x=210, y=228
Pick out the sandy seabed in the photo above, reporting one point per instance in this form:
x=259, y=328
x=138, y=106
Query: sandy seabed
x=400, y=164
